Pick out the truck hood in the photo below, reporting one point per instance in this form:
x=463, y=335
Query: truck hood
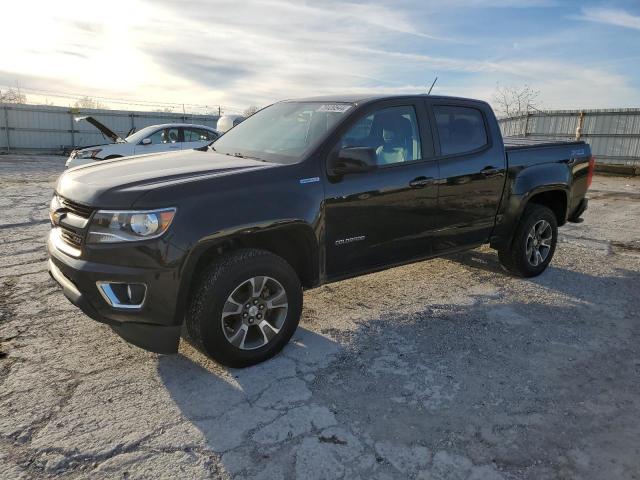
x=106, y=131
x=119, y=183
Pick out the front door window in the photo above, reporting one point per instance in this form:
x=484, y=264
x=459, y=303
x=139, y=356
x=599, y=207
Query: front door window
x=391, y=132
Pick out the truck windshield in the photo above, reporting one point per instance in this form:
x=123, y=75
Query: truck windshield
x=283, y=132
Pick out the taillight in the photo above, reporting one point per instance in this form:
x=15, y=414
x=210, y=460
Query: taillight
x=592, y=167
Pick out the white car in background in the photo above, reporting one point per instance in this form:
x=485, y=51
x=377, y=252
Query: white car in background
x=155, y=138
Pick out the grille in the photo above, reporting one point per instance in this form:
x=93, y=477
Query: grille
x=80, y=210
x=71, y=237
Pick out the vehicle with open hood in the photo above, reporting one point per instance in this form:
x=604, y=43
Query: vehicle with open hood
x=152, y=139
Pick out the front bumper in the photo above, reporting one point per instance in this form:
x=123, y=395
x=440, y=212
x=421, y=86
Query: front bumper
x=151, y=327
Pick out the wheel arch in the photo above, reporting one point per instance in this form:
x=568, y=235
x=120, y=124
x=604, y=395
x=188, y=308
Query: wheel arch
x=555, y=197
x=295, y=242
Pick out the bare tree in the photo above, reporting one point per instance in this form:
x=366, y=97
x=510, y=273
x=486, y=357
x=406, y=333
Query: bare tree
x=164, y=110
x=88, y=102
x=513, y=100
x=12, y=95
x=250, y=111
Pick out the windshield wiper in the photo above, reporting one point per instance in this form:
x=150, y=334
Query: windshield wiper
x=240, y=155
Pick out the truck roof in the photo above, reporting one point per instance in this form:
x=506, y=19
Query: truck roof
x=360, y=98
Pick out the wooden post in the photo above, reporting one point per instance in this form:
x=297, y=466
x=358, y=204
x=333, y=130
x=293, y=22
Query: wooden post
x=6, y=126
x=579, y=127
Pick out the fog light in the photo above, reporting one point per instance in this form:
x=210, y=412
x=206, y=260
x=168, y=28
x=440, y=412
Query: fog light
x=135, y=293
x=123, y=295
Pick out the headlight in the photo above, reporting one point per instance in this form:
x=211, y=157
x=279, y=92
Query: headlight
x=54, y=205
x=108, y=226
x=88, y=153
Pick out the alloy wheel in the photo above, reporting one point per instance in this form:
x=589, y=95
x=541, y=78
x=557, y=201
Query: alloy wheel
x=539, y=242
x=254, y=313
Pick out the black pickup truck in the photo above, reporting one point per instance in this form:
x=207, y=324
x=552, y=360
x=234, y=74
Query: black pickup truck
x=224, y=239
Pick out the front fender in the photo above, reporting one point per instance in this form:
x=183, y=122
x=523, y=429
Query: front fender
x=248, y=236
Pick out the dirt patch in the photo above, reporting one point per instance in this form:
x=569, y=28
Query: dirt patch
x=626, y=247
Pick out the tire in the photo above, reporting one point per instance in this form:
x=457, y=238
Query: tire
x=247, y=334
x=520, y=258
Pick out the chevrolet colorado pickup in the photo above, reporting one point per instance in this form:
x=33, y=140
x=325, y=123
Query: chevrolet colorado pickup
x=225, y=238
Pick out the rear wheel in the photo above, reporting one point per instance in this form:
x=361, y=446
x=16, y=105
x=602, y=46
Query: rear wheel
x=534, y=243
x=245, y=307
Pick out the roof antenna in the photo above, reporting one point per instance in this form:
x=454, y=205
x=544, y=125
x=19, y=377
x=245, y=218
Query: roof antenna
x=431, y=88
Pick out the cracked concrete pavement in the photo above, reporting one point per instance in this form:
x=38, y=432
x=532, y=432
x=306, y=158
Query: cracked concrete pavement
x=445, y=369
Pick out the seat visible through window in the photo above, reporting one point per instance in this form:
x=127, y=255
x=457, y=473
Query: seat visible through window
x=391, y=132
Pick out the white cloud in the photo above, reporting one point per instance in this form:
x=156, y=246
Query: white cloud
x=611, y=16
x=255, y=52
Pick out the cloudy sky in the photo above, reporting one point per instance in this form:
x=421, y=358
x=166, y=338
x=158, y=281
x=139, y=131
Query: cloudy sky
x=579, y=54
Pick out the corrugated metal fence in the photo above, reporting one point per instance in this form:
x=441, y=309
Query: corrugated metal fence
x=614, y=135
x=49, y=129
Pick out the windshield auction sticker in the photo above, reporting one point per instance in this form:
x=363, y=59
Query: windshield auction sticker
x=334, y=107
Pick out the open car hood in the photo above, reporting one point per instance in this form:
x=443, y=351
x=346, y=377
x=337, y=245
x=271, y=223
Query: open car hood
x=106, y=131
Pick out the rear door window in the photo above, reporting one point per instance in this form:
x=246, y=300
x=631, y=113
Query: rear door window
x=196, y=135
x=460, y=129
x=209, y=134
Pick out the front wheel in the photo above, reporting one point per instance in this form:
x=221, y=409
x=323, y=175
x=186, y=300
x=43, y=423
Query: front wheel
x=246, y=307
x=534, y=243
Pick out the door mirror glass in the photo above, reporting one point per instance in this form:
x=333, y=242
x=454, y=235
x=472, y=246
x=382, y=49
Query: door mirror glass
x=146, y=141
x=353, y=160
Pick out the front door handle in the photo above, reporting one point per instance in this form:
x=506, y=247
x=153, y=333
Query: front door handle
x=489, y=171
x=420, y=182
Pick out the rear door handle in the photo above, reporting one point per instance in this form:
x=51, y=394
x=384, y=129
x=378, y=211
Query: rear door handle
x=420, y=182
x=489, y=171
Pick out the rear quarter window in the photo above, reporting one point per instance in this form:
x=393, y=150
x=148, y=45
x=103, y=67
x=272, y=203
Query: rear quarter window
x=460, y=129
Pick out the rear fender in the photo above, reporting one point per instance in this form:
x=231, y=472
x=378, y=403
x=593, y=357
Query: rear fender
x=528, y=183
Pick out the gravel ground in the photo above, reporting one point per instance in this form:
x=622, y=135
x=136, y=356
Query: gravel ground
x=446, y=369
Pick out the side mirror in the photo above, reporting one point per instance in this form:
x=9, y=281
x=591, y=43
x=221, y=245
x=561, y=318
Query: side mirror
x=146, y=141
x=353, y=160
